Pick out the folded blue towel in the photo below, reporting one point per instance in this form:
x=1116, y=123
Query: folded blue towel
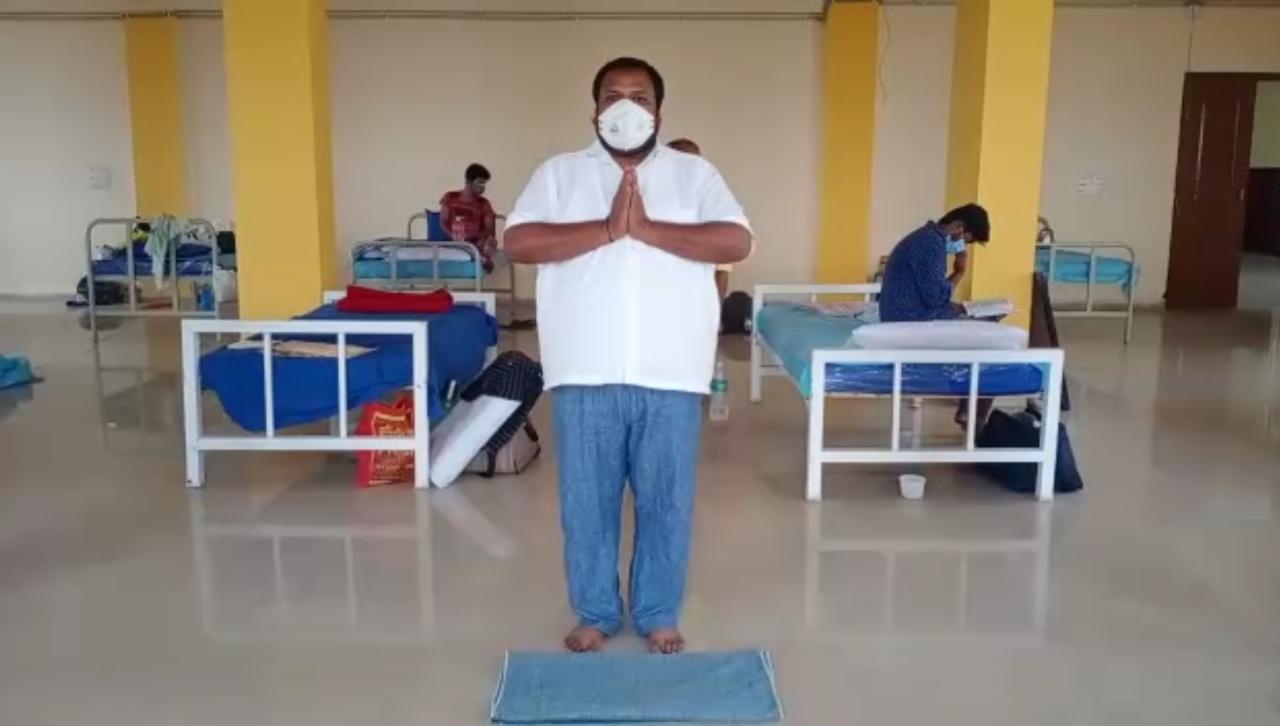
x=634, y=688
x=15, y=371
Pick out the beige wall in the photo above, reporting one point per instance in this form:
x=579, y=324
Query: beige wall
x=415, y=101
x=1114, y=99
x=747, y=90
x=1265, y=152
x=64, y=109
x=911, y=126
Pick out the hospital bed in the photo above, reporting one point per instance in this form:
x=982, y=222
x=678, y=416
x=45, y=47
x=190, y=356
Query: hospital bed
x=1091, y=264
x=293, y=391
x=428, y=261
x=811, y=350
x=188, y=262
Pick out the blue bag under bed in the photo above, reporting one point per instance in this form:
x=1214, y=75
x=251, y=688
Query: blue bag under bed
x=306, y=389
x=794, y=331
x=1072, y=266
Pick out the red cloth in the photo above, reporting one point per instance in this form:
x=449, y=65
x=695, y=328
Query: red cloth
x=369, y=300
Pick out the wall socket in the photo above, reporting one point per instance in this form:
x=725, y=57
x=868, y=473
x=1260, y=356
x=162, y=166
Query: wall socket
x=1089, y=186
x=100, y=177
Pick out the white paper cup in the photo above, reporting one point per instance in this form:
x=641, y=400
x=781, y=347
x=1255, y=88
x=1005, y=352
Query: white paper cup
x=911, y=486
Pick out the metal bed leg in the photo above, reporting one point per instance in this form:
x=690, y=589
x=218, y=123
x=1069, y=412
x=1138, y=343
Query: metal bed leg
x=817, y=410
x=1128, y=318
x=191, y=408
x=1049, y=432
x=422, y=447
x=757, y=392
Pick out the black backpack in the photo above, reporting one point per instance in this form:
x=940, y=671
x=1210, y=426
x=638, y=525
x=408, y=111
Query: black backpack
x=735, y=314
x=516, y=377
x=1022, y=431
x=105, y=292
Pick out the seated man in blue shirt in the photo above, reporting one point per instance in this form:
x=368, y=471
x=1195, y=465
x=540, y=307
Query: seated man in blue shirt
x=916, y=285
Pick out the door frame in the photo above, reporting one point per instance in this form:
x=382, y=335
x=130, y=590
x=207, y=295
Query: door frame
x=1180, y=160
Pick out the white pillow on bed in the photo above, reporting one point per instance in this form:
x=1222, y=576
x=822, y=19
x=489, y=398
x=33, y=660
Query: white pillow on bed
x=940, y=334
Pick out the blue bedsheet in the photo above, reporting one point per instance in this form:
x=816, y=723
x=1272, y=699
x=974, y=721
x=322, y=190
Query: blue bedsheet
x=1072, y=266
x=795, y=331
x=306, y=389
x=194, y=260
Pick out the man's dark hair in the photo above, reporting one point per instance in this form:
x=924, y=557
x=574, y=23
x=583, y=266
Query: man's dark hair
x=975, y=221
x=476, y=171
x=630, y=64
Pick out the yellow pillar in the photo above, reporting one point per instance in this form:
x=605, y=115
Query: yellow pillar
x=277, y=60
x=155, y=116
x=851, y=38
x=999, y=96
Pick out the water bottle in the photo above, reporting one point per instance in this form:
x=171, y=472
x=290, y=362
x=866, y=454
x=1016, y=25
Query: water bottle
x=719, y=410
x=458, y=230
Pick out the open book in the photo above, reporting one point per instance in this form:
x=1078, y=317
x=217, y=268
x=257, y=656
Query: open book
x=990, y=308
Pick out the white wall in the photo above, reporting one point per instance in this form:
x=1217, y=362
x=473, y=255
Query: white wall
x=748, y=91
x=416, y=101
x=1114, y=98
x=909, y=185
x=1265, y=152
x=64, y=109
x=204, y=119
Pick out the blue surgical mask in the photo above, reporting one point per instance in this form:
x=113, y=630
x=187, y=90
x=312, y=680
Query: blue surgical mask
x=955, y=245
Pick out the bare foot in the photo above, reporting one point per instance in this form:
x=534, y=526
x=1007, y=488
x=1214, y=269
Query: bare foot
x=583, y=639
x=666, y=641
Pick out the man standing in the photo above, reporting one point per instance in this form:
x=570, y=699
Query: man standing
x=627, y=235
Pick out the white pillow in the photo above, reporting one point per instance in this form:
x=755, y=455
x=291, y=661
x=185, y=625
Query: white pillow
x=940, y=334
x=461, y=435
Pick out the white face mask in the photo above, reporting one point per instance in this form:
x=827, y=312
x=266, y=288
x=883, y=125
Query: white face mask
x=625, y=125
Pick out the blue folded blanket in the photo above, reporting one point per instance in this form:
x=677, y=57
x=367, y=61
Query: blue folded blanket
x=15, y=371
x=635, y=688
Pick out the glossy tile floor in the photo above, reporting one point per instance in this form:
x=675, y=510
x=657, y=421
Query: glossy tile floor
x=282, y=595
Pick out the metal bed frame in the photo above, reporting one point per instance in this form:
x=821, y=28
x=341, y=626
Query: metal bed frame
x=131, y=277
x=1045, y=455
x=423, y=242
x=1089, y=311
x=197, y=443
x=392, y=245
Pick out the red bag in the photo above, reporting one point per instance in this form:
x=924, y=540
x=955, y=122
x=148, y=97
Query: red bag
x=375, y=468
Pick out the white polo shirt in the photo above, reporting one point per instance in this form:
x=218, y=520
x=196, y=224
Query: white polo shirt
x=627, y=313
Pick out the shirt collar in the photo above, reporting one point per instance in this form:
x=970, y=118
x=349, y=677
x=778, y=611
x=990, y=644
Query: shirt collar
x=597, y=150
x=936, y=229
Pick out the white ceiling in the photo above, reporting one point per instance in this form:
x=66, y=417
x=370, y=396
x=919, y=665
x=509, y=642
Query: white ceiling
x=521, y=6
x=551, y=6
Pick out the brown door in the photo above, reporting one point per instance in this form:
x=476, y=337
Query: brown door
x=1209, y=194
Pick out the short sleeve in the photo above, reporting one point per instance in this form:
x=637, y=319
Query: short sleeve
x=537, y=202
x=717, y=203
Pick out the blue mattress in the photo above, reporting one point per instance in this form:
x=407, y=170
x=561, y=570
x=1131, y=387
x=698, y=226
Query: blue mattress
x=1072, y=266
x=795, y=331
x=414, y=270
x=306, y=389
x=194, y=260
